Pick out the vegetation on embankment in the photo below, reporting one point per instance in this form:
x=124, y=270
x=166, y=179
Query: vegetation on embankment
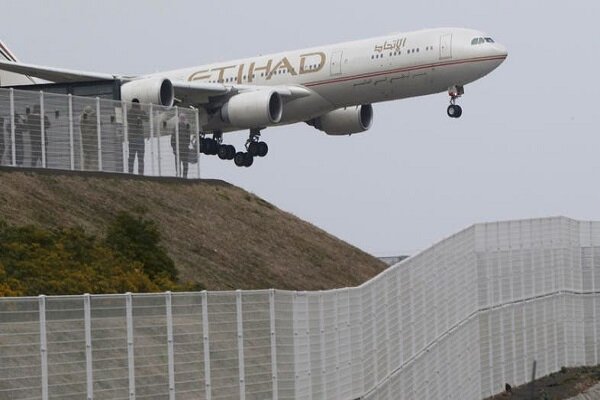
x=218, y=236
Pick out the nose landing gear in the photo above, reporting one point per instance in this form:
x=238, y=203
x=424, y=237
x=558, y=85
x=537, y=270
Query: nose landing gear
x=454, y=110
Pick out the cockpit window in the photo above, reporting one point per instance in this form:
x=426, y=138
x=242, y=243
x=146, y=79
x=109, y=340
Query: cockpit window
x=481, y=40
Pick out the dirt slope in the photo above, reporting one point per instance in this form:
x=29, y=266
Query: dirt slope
x=219, y=235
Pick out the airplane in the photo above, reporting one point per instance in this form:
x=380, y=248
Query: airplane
x=331, y=88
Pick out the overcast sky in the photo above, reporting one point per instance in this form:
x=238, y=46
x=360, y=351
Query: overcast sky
x=528, y=144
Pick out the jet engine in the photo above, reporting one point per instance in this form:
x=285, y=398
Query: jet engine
x=257, y=109
x=345, y=121
x=158, y=91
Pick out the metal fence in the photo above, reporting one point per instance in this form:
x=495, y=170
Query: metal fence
x=44, y=130
x=456, y=321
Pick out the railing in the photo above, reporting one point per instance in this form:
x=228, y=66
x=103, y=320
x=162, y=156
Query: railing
x=44, y=130
x=456, y=321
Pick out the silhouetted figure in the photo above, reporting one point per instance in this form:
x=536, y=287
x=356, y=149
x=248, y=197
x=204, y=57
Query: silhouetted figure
x=88, y=125
x=34, y=124
x=20, y=129
x=135, y=131
x=184, y=144
x=508, y=388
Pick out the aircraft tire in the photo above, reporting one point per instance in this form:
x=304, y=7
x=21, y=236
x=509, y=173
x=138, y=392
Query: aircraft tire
x=248, y=160
x=253, y=148
x=223, y=152
x=262, y=149
x=240, y=159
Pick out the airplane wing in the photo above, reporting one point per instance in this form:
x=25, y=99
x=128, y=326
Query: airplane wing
x=186, y=93
x=204, y=93
x=55, y=74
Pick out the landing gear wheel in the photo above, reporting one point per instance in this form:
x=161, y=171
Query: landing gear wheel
x=240, y=159
x=253, y=148
x=454, y=111
x=224, y=152
x=248, y=159
x=230, y=152
x=211, y=147
x=262, y=149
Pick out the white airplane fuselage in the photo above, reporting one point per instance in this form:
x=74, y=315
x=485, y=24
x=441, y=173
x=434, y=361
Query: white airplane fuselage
x=369, y=71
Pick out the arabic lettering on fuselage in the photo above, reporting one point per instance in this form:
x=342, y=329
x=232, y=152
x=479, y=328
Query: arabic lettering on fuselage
x=248, y=72
x=390, y=45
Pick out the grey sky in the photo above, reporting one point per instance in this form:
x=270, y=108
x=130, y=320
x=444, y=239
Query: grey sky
x=528, y=144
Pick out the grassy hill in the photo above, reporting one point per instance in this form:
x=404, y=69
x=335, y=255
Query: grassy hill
x=219, y=236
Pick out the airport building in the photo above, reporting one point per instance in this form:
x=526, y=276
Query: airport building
x=456, y=321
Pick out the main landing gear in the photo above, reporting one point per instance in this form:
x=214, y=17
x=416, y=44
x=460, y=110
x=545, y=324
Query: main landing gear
x=454, y=110
x=254, y=148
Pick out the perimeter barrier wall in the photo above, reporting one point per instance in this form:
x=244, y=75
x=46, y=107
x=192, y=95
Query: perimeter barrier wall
x=93, y=134
x=456, y=321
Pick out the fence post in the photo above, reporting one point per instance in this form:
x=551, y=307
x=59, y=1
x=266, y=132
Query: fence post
x=273, y=343
x=43, y=127
x=130, y=354
x=177, y=157
x=170, y=352
x=12, y=128
x=88, y=346
x=322, y=341
x=198, y=141
x=240, y=340
x=336, y=323
x=71, y=139
x=43, y=345
x=152, y=144
x=125, y=148
x=99, y=130
x=206, y=341
x=158, y=150
x=307, y=333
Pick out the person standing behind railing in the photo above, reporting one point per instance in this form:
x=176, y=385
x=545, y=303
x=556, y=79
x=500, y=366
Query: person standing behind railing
x=135, y=134
x=88, y=125
x=34, y=124
x=184, y=144
x=20, y=129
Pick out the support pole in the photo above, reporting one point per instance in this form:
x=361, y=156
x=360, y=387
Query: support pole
x=43, y=346
x=12, y=128
x=158, y=150
x=130, y=354
x=198, y=141
x=177, y=157
x=206, y=341
x=240, y=340
x=125, y=139
x=71, y=140
x=170, y=352
x=273, y=344
x=152, y=144
x=88, y=346
x=43, y=128
x=99, y=130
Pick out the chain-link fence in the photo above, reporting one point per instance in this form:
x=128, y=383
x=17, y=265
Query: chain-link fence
x=43, y=130
x=456, y=321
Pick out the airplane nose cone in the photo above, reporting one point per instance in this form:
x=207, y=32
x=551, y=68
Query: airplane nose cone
x=501, y=50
